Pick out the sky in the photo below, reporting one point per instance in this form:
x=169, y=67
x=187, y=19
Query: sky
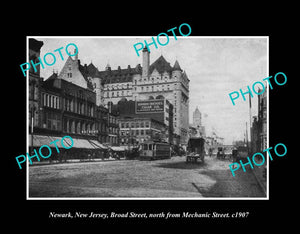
x=215, y=66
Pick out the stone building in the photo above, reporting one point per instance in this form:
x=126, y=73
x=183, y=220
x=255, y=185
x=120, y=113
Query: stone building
x=160, y=111
x=66, y=103
x=262, y=120
x=34, y=84
x=159, y=80
x=197, y=117
x=197, y=124
x=134, y=131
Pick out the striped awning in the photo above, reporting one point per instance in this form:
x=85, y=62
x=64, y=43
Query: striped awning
x=82, y=144
x=39, y=140
x=98, y=144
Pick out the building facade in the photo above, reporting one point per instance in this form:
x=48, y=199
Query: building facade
x=82, y=92
x=160, y=110
x=66, y=104
x=262, y=121
x=197, y=125
x=197, y=117
x=134, y=131
x=159, y=80
x=35, y=82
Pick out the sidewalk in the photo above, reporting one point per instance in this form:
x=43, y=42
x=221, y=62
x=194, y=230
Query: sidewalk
x=259, y=173
x=74, y=161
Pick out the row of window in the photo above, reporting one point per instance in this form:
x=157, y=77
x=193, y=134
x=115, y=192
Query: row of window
x=118, y=93
x=79, y=107
x=135, y=132
x=141, y=124
x=51, y=121
x=50, y=100
x=152, y=88
x=152, y=79
x=53, y=101
x=79, y=127
x=118, y=86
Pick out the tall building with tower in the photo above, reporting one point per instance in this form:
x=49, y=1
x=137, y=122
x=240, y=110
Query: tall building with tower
x=158, y=80
x=197, y=117
x=197, y=123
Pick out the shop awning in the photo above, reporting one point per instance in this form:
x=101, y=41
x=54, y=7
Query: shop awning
x=98, y=144
x=82, y=144
x=117, y=148
x=39, y=140
x=67, y=142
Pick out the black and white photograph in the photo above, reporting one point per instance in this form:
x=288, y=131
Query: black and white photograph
x=148, y=118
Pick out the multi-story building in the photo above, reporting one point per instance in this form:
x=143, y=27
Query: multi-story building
x=68, y=107
x=134, y=131
x=159, y=80
x=34, y=85
x=197, y=120
x=158, y=110
x=197, y=123
x=262, y=120
x=67, y=104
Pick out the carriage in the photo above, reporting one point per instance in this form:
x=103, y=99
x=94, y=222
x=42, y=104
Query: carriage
x=195, y=149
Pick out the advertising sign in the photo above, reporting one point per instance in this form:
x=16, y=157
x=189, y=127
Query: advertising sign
x=149, y=106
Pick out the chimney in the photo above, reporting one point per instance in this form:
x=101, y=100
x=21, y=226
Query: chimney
x=76, y=56
x=146, y=62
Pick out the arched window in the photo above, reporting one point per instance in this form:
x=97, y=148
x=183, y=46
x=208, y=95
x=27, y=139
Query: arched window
x=160, y=97
x=151, y=97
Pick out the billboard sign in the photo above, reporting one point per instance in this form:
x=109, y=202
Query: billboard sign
x=149, y=106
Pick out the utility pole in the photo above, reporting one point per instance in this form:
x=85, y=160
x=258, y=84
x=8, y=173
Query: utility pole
x=247, y=138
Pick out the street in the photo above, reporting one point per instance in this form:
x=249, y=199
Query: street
x=147, y=179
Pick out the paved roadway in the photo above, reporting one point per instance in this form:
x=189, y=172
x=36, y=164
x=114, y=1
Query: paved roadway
x=133, y=178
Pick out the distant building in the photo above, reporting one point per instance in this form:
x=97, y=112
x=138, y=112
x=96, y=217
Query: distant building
x=259, y=129
x=197, y=124
x=255, y=136
x=197, y=118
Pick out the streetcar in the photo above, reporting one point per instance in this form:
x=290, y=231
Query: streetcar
x=152, y=150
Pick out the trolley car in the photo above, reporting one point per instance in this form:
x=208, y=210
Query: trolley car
x=152, y=150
